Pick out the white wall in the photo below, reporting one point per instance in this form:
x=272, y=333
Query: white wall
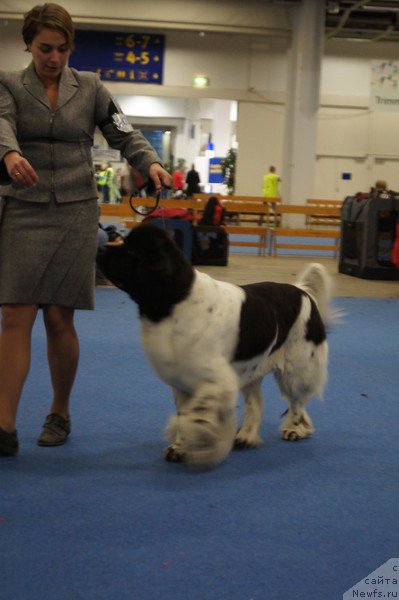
x=345, y=76
x=260, y=16
x=251, y=69
x=147, y=106
x=260, y=129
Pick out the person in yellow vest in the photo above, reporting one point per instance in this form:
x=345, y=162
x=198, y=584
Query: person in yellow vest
x=270, y=184
x=101, y=178
x=111, y=193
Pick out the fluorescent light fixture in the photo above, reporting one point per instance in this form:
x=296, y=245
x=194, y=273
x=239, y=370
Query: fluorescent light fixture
x=200, y=81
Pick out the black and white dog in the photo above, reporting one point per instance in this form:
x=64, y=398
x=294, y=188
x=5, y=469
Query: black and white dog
x=209, y=339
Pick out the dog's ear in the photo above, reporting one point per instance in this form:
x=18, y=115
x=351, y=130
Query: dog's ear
x=113, y=264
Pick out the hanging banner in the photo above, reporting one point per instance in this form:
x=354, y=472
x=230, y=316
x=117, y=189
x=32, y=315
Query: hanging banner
x=133, y=57
x=384, y=94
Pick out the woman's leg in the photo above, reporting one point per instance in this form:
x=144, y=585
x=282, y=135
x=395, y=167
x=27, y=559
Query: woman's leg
x=15, y=346
x=63, y=355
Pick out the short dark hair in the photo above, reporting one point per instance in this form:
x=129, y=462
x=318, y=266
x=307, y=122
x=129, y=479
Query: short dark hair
x=52, y=16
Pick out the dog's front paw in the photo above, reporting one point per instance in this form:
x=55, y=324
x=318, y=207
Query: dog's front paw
x=173, y=454
x=197, y=441
x=243, y=442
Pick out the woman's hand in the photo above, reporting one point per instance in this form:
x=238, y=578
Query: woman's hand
x=159, y=176
x=20, y=170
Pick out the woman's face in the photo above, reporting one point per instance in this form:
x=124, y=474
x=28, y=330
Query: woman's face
x=50, y=54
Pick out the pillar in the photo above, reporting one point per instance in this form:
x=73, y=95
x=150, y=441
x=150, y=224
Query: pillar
x=303, y=91
x=221, y=127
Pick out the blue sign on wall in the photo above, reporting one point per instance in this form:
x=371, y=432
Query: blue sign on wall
x=155, y=137
x=215, y=170
x=133, y=57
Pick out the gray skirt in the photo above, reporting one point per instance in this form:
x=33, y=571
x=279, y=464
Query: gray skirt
x=47, y=253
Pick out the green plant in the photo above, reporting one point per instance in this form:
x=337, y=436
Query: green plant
x=228, y=165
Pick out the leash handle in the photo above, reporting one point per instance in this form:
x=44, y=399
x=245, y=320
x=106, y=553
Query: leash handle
x=147, y=210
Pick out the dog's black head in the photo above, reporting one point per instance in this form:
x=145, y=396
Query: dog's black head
x=150, y=268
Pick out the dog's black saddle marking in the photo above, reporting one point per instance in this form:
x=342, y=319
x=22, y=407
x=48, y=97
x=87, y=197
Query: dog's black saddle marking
x=315, y=329
x=267, y=314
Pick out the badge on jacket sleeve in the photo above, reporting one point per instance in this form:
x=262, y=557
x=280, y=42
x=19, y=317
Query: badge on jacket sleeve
x=117, y=118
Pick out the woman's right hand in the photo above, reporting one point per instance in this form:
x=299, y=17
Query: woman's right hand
x=20, y=170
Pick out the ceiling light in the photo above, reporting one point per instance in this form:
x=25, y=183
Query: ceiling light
x=200, y=81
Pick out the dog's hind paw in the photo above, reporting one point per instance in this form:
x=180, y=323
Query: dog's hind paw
x=291, y=430
x=290, y=435
x=173, y=454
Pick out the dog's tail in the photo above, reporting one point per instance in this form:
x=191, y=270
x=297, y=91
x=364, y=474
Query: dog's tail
x=317, y=282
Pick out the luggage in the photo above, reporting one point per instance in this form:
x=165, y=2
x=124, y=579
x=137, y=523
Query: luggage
x=180, y=231
x=367, y=236
x=201, y=244
x=210, y=245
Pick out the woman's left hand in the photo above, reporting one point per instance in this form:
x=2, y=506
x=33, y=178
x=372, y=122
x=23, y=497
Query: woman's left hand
x=159, y=176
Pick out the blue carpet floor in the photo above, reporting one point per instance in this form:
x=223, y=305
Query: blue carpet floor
x=105, y=518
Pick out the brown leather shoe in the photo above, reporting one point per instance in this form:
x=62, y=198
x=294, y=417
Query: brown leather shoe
x=55, y=430
x=8, y=443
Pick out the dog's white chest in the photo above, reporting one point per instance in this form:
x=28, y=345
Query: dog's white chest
x=185, y=348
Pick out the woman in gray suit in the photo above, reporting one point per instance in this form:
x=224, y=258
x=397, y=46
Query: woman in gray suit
x=48, y=229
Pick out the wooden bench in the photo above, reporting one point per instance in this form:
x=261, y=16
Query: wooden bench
x=305, y=232
x=284, y=232
x=260, y=231
x=249, y=199
x=317, y=219
x=301, y=209
x=236, y=208
x=194, y=206
x=269, y=231
x=260, y=209
x=115, y=210
x=131, y=219
x=197, y=205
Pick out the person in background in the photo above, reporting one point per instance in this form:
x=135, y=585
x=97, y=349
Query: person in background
x=129, y=184
x=178, y=181
x=116, y=193
x=380, y=187
x=111, y=192
x=106, y=174
x=49, y=225
x=270, y=184
x=192, y=182
x=100, y=176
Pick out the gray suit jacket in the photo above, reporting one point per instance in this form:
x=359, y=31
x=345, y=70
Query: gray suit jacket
x=58, y=144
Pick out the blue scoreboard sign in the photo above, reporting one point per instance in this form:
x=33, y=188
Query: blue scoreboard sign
x=134, y=57
x=215, y=170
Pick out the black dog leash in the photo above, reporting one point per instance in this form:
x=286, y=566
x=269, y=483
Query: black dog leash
x=146, y=210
